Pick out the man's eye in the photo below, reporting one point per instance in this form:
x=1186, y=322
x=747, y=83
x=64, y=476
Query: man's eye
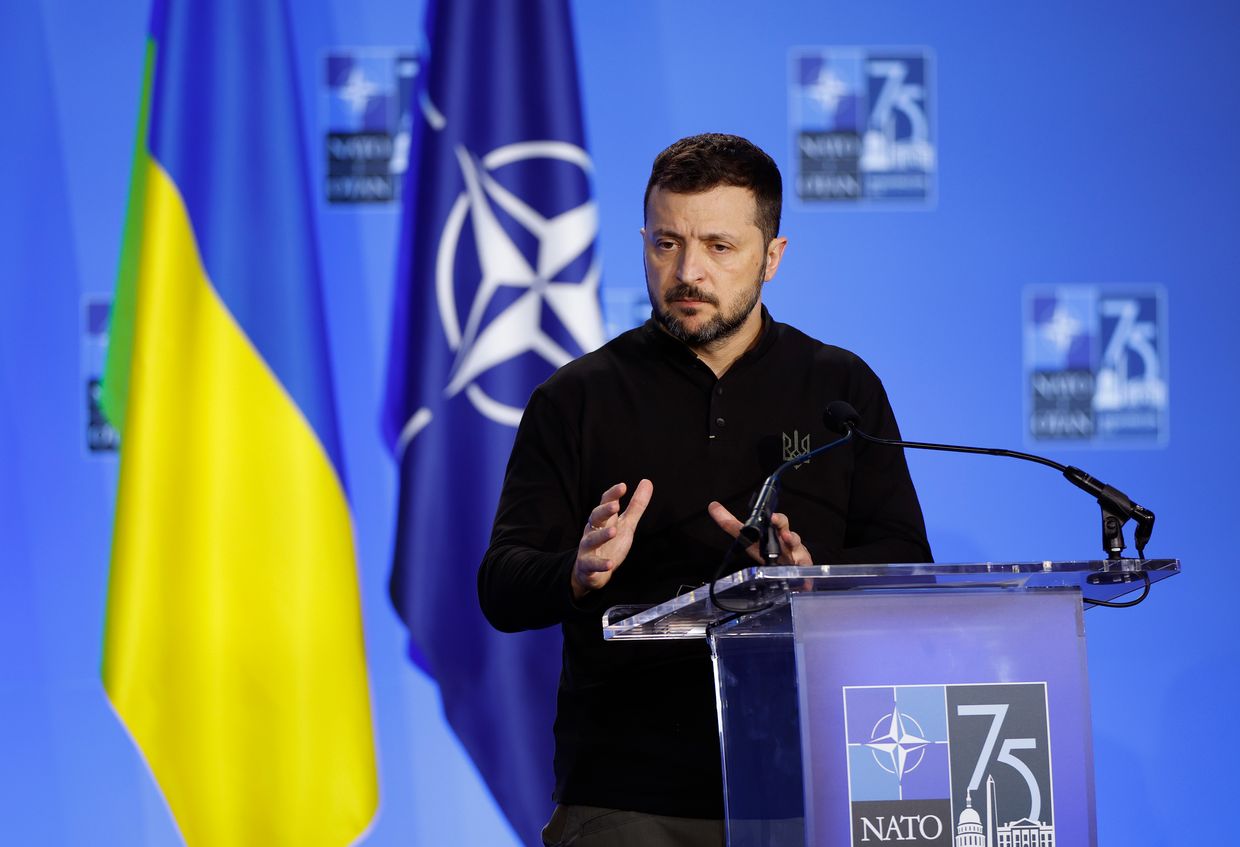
x=721, y=248
x=664, y=244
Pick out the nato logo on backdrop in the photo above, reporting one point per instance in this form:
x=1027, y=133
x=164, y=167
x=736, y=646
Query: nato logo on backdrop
x=368, y=97
x=949, y=765
x=1096, y=364
x=862, y=125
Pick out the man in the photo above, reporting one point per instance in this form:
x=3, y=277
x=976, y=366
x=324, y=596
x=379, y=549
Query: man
x=685, y=416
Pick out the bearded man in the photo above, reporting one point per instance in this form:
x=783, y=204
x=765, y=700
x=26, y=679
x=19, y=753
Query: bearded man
x=627, y=473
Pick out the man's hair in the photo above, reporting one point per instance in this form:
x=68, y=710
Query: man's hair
x=702, y=162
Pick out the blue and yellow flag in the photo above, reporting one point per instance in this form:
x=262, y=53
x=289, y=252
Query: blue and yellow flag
x=233, y=648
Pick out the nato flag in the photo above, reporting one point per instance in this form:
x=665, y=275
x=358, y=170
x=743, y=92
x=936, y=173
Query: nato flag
x=498, y=287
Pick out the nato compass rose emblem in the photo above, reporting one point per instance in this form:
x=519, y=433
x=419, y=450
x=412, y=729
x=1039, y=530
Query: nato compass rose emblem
x=898, y=743
x=516, y=285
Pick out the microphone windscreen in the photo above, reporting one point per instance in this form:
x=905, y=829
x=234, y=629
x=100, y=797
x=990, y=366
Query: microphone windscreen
x=840, y=417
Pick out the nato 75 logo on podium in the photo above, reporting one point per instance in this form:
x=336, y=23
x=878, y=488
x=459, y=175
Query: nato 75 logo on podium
x=949, y=765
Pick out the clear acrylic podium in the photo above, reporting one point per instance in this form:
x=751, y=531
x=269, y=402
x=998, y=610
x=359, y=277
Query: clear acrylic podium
x=938, y=705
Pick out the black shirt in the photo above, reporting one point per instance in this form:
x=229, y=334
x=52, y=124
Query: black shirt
x=636, y=726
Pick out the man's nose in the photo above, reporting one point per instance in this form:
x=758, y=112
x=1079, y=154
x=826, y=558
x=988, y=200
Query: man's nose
x=691, y=267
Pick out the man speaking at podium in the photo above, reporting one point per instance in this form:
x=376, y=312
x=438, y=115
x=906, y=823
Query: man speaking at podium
x=628, y=471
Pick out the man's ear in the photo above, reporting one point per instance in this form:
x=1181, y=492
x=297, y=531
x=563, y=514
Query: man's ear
x=774, y=253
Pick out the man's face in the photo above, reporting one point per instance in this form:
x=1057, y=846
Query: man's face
x=706, y=261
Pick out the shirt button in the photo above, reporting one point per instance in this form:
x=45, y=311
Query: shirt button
x=719, y=391
x=720, y=422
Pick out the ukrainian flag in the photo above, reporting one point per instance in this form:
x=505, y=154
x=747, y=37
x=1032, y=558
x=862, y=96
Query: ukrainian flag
x=233, y=649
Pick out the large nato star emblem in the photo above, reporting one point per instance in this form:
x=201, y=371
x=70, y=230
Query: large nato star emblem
x=561, y=239
x=898, y=749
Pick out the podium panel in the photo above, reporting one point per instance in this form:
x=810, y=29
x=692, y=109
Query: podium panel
x=930, y=719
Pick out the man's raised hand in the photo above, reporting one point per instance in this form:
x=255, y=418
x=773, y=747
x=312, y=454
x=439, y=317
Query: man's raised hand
x=608, y=536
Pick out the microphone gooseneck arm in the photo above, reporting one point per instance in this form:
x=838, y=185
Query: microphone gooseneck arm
x=1117, y=507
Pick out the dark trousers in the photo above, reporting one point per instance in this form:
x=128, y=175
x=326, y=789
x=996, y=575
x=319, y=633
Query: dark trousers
x=591, y=826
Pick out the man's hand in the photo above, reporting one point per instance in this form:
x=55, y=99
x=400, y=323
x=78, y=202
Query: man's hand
x=607, y=537
x=791, y=550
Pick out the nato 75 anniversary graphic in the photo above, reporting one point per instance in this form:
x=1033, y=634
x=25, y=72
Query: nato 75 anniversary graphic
x=949, y=765
x=1096, y=364
x=368, y=95
x=862, y=125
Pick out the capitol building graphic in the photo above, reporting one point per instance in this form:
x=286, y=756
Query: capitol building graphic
x=971, y=831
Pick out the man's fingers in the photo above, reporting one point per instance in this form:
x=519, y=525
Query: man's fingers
x=730, y=524
x=791, y=545
x=603, y=512
x=638, y=502
x=589, y=574
x=595, y=538
x=726, y=520
x=597, y=555
x=614, y=493
x=794, y=549
x=590, y=564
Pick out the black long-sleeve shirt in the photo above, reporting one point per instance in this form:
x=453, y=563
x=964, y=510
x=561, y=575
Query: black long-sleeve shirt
x=636, y=726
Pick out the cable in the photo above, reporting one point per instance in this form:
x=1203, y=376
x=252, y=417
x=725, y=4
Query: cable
x=1127, y=604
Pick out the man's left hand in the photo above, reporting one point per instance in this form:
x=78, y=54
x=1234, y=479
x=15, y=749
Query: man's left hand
x=791, y=550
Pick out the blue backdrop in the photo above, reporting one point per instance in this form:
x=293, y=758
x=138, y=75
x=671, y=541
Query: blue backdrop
x=1075, y=144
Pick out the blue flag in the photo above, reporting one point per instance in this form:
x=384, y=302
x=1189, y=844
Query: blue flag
x=498, y=287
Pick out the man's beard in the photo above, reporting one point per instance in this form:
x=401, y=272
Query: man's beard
x=723, y=325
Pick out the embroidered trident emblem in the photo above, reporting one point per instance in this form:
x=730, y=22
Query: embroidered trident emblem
x=795, y=445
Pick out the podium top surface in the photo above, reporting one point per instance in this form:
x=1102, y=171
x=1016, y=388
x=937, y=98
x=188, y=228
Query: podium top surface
x=765, y=587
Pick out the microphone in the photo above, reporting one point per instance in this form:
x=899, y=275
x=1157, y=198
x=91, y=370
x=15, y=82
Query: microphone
x=841, y=417
x=1117, y=507
x=758, y=527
